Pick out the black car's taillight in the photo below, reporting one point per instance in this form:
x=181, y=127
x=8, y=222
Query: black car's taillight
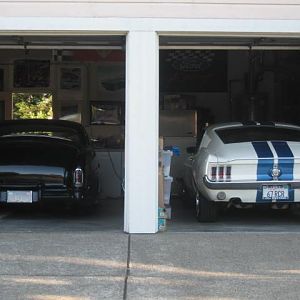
x=78, y=177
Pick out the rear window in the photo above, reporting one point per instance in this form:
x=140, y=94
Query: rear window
x=64, y=133
x=257, y=133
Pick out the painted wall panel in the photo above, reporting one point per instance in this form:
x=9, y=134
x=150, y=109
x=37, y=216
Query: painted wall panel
x=251, y=9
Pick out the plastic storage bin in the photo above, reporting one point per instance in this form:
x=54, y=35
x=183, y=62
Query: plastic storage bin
x=166, y=161
x=167, y=189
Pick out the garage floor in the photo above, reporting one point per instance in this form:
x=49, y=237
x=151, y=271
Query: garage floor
x=234, y=220
x=109, y=217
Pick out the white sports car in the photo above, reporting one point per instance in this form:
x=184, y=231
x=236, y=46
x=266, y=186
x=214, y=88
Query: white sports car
x=245, y=163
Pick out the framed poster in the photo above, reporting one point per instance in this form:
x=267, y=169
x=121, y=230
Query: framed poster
x=1, y=80
x=106, y=113
x=111, y=81
x=71, y=111
x=70, y=78
x=29, y=73
x=2, y=110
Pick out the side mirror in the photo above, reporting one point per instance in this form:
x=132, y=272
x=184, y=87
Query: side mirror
x=191, y=150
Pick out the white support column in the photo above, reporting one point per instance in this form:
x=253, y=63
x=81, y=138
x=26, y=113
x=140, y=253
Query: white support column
x=141, y=131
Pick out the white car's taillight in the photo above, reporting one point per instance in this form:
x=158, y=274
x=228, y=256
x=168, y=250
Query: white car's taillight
x=219, y=173
x=228, y=173
x=78, y=177
x=213, y=174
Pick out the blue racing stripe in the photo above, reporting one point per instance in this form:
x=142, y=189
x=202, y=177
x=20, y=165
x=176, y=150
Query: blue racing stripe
x=285, y=160
x=285, y=163
x=264, y=166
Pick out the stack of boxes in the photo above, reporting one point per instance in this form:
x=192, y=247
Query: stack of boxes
x=162, y=223
x=165, y=181
x=162, y=219
x=167, y=158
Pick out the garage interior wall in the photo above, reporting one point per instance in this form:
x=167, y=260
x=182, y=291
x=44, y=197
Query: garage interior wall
x=274, y=92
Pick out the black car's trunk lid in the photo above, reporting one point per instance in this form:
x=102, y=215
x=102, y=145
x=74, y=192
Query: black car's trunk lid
x=36, y=160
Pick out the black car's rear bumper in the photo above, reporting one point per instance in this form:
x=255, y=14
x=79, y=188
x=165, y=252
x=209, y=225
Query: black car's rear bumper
x=42, y=193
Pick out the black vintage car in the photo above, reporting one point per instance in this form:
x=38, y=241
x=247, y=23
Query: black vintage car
x=44, y=160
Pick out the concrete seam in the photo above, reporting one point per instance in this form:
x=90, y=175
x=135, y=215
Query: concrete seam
x=127, y=268
x=56, y=275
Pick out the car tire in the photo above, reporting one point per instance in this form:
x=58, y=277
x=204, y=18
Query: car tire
x=206, y=211
x=187, y=200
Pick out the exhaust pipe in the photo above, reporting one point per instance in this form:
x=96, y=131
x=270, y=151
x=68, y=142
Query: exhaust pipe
x=237, y=203
x=280, y=206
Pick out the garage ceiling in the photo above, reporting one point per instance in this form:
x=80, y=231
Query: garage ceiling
x=255, y=43
x=62, y=42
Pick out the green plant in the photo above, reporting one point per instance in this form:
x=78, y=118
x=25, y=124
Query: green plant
x=32, y=106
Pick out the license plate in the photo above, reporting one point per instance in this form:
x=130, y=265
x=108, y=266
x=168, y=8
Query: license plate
x=19, y=196
x=275, y=192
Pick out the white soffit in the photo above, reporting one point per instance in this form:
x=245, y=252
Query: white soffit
x=229, y=43
x=61, y=42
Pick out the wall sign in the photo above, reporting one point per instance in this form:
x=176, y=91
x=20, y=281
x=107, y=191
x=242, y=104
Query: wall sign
x=106, y=113
x=193, y=71
x=29, y=73
x=70, y=78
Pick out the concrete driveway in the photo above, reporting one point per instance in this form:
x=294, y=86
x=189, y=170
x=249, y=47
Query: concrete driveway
x=55, y=255
x=215, y=266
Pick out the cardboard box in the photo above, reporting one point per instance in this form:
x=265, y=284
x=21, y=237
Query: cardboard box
x=161, y=143
x=160, y=190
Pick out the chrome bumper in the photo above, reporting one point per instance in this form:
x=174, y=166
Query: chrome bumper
x=249, y=185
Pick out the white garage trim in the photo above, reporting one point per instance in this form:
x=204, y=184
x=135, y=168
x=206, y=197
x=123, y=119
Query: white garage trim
x=141, y=141
x=142, y=107
x=109, y=26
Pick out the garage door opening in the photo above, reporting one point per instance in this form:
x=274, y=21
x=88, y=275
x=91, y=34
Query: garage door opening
x=73, y=78
x=204, y=81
